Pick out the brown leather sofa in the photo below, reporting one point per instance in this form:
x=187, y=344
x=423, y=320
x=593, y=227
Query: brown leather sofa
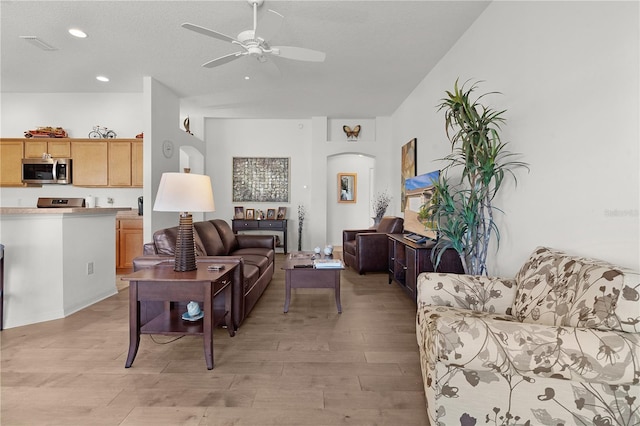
x=367, y=250
x=216, y=243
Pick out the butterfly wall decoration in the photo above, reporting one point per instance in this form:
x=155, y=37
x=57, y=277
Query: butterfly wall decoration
x=351, y=134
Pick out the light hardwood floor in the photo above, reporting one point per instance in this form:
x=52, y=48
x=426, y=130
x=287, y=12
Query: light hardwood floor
x=311, y=366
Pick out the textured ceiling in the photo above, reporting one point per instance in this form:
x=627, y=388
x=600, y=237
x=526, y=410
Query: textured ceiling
x=377, y=52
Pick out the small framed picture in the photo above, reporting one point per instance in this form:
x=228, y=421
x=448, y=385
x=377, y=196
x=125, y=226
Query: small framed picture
x=271, y=214
x=238, y=213
x=282, y=213
x=347, y=187
x=249, y=214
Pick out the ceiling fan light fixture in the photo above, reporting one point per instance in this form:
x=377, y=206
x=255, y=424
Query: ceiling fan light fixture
x=38, y=43
x=76, y=32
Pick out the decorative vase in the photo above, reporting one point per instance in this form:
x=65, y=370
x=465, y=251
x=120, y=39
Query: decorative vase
x=376, y=220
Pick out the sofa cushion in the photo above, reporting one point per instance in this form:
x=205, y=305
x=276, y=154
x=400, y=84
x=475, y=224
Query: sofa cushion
x=251, y=275
x=226, y=235
x=210, y=238
x=256, y=251
x=554, y=288
x=165, y=241
x=349, y=247
x=261, y=262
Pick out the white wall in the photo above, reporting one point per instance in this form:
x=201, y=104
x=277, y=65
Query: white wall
x=569, y=75
x=77, y=113
x=309, y=145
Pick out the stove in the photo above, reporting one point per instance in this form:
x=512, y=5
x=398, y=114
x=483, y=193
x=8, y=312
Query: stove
x=52, y=203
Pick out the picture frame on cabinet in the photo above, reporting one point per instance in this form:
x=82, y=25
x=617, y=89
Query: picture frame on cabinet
x=249, y=214
x=282, y=213
x=238, y=212
x=271, y=214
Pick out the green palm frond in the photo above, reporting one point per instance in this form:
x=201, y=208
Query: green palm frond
x=462, y=210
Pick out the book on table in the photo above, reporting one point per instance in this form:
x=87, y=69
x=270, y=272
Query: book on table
x=327, y=263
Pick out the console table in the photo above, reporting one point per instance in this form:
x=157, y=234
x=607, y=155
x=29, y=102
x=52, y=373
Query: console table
x=408, y=259
x=162, y=283
x=278, y=225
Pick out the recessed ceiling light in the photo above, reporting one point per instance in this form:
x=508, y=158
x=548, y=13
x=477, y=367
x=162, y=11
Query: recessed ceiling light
x=77, y=33
x=102, y=78
x=246, y=77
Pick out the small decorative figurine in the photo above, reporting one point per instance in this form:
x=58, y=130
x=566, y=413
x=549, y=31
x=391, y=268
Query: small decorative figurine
x=351, y=134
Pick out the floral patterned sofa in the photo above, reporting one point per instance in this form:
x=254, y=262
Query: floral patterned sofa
x=556, y=345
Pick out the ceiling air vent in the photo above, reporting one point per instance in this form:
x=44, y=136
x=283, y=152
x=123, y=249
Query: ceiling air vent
x=38, y=43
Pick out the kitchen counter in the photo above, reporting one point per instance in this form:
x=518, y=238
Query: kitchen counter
x=64, y=210
x=57, y=260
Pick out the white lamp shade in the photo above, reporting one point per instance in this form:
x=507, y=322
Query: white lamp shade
x=184, y=192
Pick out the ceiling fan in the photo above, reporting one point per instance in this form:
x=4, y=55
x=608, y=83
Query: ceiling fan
x=254, y=42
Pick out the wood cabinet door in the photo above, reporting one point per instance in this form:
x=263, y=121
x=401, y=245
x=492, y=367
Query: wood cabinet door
x=90, y=163
x=11, y=153
x=119, y=163
x=59, y=149
x=129, y=242
x=35, y=148
x=136, y=164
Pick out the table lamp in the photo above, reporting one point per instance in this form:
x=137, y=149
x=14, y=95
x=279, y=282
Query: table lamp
x=184, y=193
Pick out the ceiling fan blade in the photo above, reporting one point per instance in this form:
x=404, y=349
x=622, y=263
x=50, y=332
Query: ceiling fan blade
x=269, y=25
x=298, y=53
x=208, y=32
x=223, y=60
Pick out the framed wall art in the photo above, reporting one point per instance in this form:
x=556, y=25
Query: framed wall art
x=408, y=167
x=260, y=179
x=347, y=187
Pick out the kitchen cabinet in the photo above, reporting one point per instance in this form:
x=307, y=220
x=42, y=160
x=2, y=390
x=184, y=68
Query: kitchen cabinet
x=90, y=162
x=136, y=163
x=57, y=148
x=11, y=154
x=407, y=260
x=120, y=163
x=107, y=163
x=129, y=241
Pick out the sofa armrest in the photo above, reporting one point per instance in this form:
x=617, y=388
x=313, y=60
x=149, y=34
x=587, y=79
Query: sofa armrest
x=483, y=341
x=149, y=249
x=475, y=292
x=256, y=241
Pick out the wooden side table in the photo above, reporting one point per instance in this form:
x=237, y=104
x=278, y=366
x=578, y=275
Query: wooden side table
x=278, y=225
x=162, y=283
x=299, y=275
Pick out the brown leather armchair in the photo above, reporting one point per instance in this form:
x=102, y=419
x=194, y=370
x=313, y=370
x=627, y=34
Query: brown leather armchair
x=367, y=250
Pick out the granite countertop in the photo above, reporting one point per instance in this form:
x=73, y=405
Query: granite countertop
x=70, y=210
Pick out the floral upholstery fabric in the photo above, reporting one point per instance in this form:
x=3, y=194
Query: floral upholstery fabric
x=486, y=360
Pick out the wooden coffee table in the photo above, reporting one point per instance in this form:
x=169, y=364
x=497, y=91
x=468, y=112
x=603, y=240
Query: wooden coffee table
x=298, y=274
x=162, y=283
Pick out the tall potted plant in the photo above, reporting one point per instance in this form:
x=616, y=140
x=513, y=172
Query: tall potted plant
x=462, y=207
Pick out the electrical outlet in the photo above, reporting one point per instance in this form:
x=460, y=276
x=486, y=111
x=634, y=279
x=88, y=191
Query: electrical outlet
x=109, y=200
x=89, y=268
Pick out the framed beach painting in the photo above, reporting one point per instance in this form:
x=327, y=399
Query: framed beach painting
x=408, y=167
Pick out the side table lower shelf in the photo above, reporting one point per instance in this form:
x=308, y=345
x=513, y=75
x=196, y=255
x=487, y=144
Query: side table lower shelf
x=171, y=323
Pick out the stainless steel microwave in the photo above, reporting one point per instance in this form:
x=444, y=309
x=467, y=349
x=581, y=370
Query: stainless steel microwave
x=46, y=170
